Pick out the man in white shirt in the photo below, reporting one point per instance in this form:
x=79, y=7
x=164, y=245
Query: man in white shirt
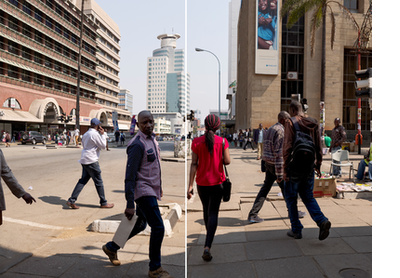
x=93, y=141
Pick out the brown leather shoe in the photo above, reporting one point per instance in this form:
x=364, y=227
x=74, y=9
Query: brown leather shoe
x=107, y=206
x=159, y=273
x=72, y=205
x=112, y=256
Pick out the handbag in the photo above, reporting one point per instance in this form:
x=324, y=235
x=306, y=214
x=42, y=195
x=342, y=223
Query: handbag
x=226, y=184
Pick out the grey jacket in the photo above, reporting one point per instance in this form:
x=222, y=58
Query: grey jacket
x=10, y=180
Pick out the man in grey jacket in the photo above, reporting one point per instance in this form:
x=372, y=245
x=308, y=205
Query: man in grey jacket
x=13, y=184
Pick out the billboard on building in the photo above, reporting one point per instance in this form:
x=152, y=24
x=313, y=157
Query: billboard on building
x=267, y=37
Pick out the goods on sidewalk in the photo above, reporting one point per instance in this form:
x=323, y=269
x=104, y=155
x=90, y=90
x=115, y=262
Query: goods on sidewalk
x=325, y=187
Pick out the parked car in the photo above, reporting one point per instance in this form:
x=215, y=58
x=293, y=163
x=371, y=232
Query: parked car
x=33, y=137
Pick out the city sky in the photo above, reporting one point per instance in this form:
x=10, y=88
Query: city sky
x=140, y=22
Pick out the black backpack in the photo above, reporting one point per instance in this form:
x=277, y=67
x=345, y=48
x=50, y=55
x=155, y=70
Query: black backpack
x=303, y=153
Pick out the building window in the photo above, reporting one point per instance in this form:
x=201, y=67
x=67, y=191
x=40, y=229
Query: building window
x=292, y=68
x=350, y=104
x=13, y=48
x=12, y=103
x=26, y=76
x=352, y=5
x=13, y=72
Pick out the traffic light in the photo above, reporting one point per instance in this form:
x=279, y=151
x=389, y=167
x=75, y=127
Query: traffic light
x=61, y=118
x=68, y=119
x=363, y=86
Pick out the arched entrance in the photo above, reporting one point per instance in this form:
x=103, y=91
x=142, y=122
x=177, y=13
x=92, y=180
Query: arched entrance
x=50, y=113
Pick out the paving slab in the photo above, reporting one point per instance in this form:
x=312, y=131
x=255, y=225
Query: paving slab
x=299, y=267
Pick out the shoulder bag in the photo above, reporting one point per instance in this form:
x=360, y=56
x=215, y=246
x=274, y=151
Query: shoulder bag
x=226, y=184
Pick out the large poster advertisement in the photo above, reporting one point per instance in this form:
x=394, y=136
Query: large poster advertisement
x=267, y=37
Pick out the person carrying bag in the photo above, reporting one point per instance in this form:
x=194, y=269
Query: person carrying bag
x=208, y=168
x=226, y=185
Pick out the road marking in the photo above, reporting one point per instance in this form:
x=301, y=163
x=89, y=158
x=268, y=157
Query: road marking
x=33, y=224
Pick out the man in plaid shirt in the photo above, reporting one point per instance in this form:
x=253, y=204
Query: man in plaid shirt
x=338, y=137
x=272, y=155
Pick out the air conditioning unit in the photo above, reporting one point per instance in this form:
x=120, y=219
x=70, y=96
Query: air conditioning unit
x=292, y=75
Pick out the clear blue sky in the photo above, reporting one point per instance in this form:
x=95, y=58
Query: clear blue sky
x=140, y=23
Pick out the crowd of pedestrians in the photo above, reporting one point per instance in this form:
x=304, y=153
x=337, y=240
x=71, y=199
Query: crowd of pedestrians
x=284, y=149
x=290, y=152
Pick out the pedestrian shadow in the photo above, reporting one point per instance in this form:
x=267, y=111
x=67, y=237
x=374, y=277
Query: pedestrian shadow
x=18, y=264
x=264, y=251
x=226, y=222
x=56, y=200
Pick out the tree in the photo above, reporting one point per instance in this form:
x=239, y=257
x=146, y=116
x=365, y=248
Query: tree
x=295, y=9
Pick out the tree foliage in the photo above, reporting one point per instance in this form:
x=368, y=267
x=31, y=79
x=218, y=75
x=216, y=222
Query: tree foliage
x=295, y=9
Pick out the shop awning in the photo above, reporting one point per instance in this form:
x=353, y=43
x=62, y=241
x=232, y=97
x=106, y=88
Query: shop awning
x=19, y=116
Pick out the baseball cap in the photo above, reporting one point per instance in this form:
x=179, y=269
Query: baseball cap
x=95, y=122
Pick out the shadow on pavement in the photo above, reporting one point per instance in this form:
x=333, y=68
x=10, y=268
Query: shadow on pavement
x=14, y=264
x=259, y=251
x=56, y=200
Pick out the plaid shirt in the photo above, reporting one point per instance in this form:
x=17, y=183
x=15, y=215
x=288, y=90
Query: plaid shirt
x=338, y=136
x=273, y=147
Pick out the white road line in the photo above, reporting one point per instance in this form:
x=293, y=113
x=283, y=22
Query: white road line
x=33, y=224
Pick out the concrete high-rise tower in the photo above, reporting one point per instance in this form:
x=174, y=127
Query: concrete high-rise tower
x=167, y=87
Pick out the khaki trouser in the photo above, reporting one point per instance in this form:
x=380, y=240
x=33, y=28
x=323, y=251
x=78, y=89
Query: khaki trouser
x=259, y=150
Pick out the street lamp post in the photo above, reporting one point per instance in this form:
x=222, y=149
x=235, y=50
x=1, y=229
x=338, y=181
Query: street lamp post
x=219, y=79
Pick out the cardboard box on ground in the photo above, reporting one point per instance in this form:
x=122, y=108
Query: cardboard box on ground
x=324, y=187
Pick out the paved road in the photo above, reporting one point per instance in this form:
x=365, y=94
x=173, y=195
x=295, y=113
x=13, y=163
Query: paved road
x=50, y=176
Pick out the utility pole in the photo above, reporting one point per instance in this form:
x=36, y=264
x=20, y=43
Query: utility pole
x=78, y=86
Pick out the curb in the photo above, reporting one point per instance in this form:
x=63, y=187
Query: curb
x=173, y=159
x=170, y=220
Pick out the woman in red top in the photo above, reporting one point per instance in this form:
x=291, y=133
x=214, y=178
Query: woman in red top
x=208, y=169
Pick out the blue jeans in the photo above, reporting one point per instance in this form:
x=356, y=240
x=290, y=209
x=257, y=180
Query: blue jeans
x=361, y=169
x=147, y=211
x=303, y=187
x=89, y=171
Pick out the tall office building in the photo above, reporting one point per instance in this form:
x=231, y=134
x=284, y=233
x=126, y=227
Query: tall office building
x=167, y=87
x=107, y=56
x=125, y=100
x=234, y=8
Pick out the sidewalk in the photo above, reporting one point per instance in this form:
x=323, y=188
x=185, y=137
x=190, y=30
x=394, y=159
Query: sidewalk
x=263, y=249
